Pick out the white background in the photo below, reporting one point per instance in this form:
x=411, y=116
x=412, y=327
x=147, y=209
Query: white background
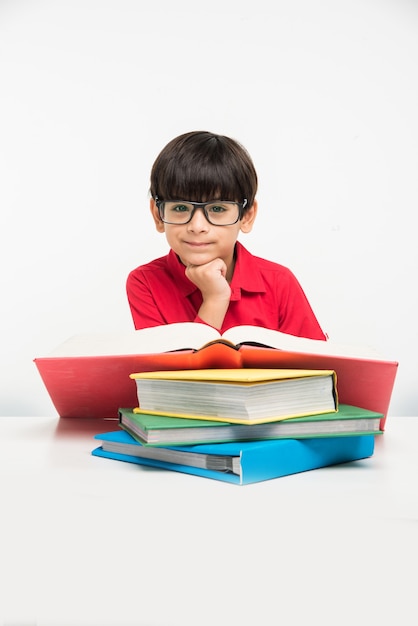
x=323, y=94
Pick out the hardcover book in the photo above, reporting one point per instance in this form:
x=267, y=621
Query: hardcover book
x=161, y=430
x=239, y=463
x=88, y=375
x=242, y=396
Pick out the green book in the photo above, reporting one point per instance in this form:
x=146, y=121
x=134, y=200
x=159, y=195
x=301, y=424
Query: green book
x=162, y=430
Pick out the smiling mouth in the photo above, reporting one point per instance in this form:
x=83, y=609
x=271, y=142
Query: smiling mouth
x=198, y=244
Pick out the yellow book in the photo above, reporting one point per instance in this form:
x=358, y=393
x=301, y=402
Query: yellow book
x=242, y=395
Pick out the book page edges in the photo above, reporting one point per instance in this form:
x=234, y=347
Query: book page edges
x=233, y=420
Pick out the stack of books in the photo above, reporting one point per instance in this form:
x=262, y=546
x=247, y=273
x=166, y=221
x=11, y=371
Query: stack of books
x=89, y=375
x=240, y=425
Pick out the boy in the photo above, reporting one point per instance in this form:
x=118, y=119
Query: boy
x=203, y=188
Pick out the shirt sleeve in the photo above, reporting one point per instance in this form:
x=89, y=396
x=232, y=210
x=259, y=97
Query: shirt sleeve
x=297, y=316
x=144, y=309
x=153, y=300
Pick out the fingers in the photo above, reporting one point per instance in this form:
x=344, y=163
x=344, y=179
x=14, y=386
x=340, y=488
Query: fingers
x=210, y=277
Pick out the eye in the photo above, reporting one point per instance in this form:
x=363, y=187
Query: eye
x=217, y=208
x=180, y=208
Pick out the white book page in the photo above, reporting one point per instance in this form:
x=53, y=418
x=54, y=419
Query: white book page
x=192, y=335
x=283, y=341
x=184, y=335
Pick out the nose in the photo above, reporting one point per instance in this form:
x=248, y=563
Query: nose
x=198, y=221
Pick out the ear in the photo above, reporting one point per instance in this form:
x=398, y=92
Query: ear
x=247, y=221
x=159, y=224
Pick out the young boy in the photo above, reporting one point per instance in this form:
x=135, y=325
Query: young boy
x=203, y=189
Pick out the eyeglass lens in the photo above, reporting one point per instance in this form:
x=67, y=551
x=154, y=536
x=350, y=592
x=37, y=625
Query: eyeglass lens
x=217, y=213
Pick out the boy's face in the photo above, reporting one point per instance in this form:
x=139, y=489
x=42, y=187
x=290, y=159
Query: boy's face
x=199, y=242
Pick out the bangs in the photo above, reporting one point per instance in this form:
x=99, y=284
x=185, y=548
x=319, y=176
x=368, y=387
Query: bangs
x=200, y=182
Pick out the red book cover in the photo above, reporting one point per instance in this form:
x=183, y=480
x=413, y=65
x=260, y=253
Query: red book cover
x=97, y=386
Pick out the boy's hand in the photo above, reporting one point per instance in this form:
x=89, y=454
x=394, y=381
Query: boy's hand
x=210, y=279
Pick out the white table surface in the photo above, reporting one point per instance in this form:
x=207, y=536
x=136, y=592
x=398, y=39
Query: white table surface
x=88, y=541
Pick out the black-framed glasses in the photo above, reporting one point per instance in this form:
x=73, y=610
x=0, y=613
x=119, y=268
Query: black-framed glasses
x=217, y=212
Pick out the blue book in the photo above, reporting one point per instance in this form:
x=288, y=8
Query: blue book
x=239, y=462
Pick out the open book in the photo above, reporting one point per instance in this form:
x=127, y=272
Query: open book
x=194, y=336
x=89, y=374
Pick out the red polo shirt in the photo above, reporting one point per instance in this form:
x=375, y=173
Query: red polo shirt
x=263, y=294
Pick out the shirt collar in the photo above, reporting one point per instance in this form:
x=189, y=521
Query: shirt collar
x=246, y=275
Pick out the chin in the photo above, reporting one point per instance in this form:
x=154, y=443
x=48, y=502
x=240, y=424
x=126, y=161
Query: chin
x=197, y=258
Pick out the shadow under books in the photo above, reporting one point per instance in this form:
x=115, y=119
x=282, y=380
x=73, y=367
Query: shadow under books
x=76, y=426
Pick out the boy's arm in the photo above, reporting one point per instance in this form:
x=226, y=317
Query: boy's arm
x=154, y=301
x=144, y=309
x=210, y=279
x=296, y=314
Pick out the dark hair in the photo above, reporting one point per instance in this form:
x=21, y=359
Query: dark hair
x=200, y=166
